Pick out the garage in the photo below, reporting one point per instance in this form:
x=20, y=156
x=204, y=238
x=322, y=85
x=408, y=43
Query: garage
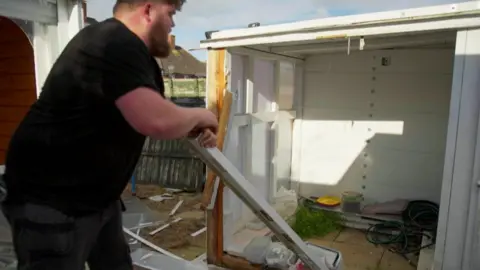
x=385, y=105
x=17, y=79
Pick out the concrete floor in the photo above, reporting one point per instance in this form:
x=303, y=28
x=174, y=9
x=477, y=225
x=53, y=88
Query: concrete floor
x=359, y=254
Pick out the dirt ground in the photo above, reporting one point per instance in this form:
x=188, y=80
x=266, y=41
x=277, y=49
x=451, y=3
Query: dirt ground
x=177, y=237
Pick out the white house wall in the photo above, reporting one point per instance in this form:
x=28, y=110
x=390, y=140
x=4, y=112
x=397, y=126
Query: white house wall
x=50, y=39
x=380, y=130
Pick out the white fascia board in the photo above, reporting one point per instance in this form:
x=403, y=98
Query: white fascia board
x=369, y=43
x=339, y=34
x=411, y=15
x=41, y=11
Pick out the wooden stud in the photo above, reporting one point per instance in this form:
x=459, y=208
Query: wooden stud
x=222, y=132
x=215, y=90
x=215, y=215
x=84, y=7
x=212, y=97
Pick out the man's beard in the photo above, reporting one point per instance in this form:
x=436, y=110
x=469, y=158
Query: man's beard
x=159, y=45
x=160, y=48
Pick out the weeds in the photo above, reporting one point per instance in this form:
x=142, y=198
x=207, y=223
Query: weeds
x=315, y=223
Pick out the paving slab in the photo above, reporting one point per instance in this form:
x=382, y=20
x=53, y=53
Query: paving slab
x=359, y=257
x=392, y=261
x=332, y=236
x=325, y=241
x=353, y=236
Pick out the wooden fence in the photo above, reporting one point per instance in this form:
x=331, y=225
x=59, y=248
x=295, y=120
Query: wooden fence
x=169, y=163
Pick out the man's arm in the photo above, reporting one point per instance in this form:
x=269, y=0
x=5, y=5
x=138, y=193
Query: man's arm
x=128, y=82
x=152, y=115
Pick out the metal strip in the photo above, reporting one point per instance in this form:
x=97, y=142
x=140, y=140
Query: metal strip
x=217, y=162
x=41, y=11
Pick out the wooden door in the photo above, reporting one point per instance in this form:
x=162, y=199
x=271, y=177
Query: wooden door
x=17, y=80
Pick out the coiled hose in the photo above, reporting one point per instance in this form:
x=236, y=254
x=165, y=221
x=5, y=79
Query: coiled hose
x=420, y=219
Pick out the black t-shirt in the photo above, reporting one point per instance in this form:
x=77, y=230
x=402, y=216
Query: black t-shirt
x=74, y=150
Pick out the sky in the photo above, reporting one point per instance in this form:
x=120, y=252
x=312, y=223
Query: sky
x=199, y=16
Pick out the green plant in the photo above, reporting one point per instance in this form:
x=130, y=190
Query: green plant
x=310, y=223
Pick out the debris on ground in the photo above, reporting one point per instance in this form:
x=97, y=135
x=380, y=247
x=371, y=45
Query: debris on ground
x=190, y=219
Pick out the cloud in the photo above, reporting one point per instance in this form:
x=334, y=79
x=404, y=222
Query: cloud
x=221, y=14
x=213, y=14
x=355, y=6
x=199, y=16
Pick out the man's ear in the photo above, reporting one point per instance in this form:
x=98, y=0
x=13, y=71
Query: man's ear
x=147, y=11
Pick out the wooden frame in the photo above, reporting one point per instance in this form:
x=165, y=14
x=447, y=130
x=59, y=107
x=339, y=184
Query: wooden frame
x=215, y=89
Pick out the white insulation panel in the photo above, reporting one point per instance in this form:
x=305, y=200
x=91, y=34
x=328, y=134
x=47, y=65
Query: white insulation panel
x=375, y=122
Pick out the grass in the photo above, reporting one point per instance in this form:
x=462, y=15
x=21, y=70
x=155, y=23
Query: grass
x=185, y=87
x=315, y=223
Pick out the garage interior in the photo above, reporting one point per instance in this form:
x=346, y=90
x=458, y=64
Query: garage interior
x=375, y=121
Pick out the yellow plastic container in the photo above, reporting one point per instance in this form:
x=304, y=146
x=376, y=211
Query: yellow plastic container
x=329, y=201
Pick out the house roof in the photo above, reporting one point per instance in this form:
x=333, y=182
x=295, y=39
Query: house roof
x=181, y=60
x=183, y=63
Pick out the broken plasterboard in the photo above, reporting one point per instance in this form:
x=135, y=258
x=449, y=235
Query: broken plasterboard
x=217, y=162
x=156, y=261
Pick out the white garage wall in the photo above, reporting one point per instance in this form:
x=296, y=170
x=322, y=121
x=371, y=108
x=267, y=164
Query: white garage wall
x=232, y=205
x=253, y=140
x=240, y=150
x=264, y=92
x=373, y=128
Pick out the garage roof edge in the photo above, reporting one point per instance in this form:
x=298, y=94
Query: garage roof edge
x=451, y=16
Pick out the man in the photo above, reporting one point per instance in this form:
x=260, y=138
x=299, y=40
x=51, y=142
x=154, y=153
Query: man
x=74, y=152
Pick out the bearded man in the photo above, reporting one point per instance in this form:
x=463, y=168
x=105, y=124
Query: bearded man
x=74, y=152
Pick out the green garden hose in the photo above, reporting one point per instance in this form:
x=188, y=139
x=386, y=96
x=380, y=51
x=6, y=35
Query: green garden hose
x=419, y=219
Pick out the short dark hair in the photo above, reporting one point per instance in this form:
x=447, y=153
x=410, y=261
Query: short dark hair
x=178, y=3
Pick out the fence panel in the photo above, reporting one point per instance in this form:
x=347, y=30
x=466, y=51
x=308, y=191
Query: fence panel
x=170, y=163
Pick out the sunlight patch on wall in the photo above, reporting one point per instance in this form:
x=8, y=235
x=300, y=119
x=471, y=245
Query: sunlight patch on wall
x=331, y=148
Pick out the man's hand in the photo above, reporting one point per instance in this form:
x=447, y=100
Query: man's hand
x=206, y=128
x=207, y=139
x=206, y=120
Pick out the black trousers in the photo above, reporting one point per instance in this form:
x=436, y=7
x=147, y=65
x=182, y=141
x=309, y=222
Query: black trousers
x=46, y=239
